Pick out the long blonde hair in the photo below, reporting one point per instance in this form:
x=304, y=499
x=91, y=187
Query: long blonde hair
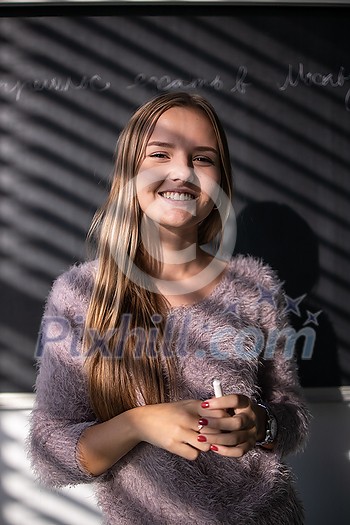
x=117, y=378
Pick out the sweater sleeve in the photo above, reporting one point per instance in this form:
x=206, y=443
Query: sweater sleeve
x=61, y=411
x=278, y=375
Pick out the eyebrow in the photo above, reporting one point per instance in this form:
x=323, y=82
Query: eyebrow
x=170, y=145
x=161, y=144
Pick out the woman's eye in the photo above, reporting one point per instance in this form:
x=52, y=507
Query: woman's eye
x=158, y=155
x=204, y=160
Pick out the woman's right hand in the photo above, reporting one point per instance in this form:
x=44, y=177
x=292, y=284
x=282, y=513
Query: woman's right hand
x=173, y=426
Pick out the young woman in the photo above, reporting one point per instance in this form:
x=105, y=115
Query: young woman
x=132, y=342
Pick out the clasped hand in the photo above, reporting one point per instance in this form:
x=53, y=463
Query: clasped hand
x=189, y=427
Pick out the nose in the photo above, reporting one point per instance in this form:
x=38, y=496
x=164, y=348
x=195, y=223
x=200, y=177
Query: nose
x=182, y=171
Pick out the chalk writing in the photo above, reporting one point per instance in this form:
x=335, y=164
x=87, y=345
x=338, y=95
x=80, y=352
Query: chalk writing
x=94, y=83
x=294, y=77
x=167, y=83
x=308, y=78
x=240, y=84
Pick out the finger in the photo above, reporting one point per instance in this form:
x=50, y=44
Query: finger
x=230, y=439
x=202, y=425
x=217, y=413
x=180, y=448
x=179, y=443
x=235, y=401
x=232, y=452
x=228, y=424
x=197, y=440
x=186, y=451
x=242, y=421
x=209, y=430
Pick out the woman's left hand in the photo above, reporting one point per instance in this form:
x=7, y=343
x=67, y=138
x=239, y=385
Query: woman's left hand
x=234, y=435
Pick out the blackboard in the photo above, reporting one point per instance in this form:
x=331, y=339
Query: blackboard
x=279, y=77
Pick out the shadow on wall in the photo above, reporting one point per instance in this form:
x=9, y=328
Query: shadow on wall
x=278, y=235
x=23, y=500
x=323, y=470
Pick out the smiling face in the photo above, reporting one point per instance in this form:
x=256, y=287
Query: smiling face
x=179, y=175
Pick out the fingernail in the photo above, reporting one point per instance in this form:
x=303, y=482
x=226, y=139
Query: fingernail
x=203, y=421
x=201, y=438
x=205, y=404
x=214, y=448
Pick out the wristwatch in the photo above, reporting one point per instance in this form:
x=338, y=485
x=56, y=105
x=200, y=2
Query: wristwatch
x=271, y=425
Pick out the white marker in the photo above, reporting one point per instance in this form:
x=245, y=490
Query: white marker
x=217, y=388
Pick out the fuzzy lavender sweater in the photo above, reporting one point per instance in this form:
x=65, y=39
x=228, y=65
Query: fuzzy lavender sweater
x=223, y=337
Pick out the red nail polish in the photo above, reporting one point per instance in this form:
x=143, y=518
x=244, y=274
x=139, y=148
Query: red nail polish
x=205, y=404
x=203, y=421
x=201, y=438
x=214, y=448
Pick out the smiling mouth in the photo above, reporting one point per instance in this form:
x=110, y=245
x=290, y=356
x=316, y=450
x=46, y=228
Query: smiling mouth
x=176, y=196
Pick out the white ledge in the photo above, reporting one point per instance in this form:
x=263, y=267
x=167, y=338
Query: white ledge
x=16, y=401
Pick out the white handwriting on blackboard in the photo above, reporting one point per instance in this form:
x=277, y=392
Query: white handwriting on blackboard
x=94, y=83
x=167, y=83
x=309, y=78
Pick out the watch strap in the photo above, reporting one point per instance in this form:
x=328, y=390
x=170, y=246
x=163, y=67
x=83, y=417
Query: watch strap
x=271, y=425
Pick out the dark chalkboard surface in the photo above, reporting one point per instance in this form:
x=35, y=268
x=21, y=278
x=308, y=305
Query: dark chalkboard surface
x=279, y=78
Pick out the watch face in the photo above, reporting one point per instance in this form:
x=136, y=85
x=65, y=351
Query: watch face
x=271, y=426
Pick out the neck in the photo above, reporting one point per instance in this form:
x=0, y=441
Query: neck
x=181, y=270
x=172, y=254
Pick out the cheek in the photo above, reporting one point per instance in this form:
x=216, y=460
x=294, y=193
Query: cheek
x=210, y=190
x=145, y=190
x=147, y=187
x=149, y=179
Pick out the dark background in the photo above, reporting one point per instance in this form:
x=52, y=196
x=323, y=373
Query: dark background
x=290, y=149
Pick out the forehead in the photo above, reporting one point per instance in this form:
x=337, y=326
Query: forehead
x=185, y=124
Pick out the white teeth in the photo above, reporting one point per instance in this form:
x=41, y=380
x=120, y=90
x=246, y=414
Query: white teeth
x=175, y=196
